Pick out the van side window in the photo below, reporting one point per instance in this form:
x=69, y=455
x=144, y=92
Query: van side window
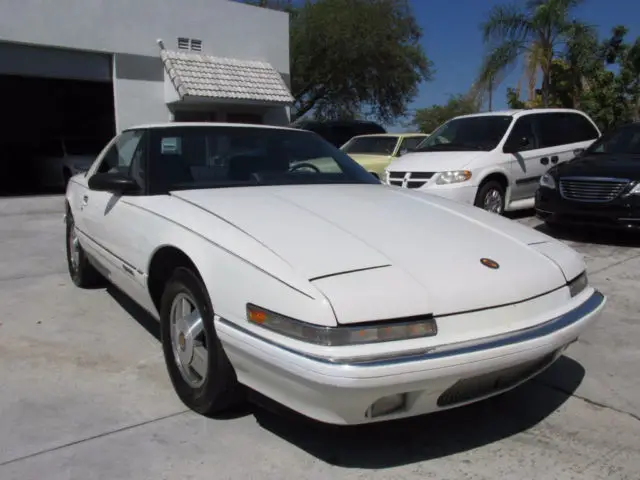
x=552, y=129
x=563, y=128
x=523, y=129
x=584, y=129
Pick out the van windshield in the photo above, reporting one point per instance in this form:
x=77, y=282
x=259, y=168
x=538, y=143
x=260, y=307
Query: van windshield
x=482, y=133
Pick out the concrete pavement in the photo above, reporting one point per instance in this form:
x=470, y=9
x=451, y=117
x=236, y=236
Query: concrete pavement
x=85, y=394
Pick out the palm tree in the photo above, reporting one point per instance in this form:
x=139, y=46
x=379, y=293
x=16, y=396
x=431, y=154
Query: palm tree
x=536, y=31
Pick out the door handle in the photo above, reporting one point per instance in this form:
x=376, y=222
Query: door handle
x=544, y=161
x=85, y=201
x=554, y=159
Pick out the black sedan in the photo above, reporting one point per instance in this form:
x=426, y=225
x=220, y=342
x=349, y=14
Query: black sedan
x=600, y=187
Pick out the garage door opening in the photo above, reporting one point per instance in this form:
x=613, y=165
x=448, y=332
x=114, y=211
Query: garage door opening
x=52, y=128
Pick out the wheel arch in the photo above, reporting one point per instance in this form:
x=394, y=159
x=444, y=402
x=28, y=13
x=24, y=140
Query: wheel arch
x=164, y=260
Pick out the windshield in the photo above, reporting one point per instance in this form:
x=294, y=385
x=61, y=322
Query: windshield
x=371, y=144
x=215, y=157
x=625, y=140
x=467, y=133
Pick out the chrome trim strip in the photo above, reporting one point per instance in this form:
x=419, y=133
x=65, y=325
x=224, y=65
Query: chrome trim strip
x=586, y=178
x=593, y=303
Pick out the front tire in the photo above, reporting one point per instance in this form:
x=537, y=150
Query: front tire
x=82, y=273
x=491, y=197
x=199, y=369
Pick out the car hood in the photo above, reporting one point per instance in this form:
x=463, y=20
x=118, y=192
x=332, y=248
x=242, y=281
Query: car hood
x=434, y=161
x=407, y=252
x=603, y=165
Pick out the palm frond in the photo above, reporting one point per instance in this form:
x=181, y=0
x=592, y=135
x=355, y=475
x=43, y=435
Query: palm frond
x=506, y=22
x=499, y=63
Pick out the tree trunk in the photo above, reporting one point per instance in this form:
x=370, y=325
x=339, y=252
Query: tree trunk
x=546, y=87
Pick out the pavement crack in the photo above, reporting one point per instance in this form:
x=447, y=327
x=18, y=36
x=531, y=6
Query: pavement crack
x=94, y=437
x=615, y=264
x=588, y=400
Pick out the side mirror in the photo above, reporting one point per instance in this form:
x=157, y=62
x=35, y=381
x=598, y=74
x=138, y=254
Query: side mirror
x=578, y=152
x=402, y=151
x=113, y=182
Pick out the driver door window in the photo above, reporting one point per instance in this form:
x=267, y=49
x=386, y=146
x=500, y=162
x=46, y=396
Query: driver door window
x=121, y=155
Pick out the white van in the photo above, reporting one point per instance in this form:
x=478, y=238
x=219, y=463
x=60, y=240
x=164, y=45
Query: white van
x=494, y=160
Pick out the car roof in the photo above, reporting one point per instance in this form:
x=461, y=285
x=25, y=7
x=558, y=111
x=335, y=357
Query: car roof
x=206, y=124
x=521, y=112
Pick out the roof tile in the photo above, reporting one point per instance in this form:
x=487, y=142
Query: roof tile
x=225, y=78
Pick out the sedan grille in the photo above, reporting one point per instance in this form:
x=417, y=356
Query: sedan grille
x=409, y=179
x=592, y=189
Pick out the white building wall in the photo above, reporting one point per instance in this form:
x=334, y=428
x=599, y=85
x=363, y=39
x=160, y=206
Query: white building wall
x=128, y=30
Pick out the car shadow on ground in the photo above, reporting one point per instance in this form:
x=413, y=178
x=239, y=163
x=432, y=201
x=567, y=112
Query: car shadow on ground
x=595, y=236
x=402, y=442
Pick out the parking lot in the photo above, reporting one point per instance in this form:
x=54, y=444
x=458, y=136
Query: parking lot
x=85, y=394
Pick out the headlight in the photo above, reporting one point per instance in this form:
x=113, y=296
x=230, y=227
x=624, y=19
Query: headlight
x=343, y=335
x=456, y=176
x=635, y=190
x=578, y=284
x=547, y=181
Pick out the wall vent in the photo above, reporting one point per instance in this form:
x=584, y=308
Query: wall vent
x=196, y=45
x=183, y=43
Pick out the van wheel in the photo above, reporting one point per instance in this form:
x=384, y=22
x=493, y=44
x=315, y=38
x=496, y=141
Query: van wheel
x=490, y=197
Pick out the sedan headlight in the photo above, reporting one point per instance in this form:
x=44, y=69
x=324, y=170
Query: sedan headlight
x=342, y=335
x=578, y=284
x=547, y=181
x=455, y=176
x=635, y=190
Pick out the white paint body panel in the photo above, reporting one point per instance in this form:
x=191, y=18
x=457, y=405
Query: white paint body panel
x=341, y=254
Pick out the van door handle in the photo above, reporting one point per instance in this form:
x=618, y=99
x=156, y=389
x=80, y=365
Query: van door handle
x=554, y=159
x=544, y=161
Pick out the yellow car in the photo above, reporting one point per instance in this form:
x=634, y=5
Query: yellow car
x=374, y=152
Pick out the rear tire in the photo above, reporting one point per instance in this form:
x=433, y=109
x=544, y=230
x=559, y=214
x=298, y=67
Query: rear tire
x=200, y=371
x=491, y=197
x=82, y=273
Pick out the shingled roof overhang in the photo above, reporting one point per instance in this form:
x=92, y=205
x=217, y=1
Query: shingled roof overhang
x=225, y=79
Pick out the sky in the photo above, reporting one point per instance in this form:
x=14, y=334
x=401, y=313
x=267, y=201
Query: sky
x=453, y=42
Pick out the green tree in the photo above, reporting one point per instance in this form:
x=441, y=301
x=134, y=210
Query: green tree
x=430, y=118
x=532, y=32
x=354, y=56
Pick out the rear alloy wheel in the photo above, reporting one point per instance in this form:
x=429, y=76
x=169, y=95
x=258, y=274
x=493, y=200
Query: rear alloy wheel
x=490, y=197
x=82, y=273
x=199, y=369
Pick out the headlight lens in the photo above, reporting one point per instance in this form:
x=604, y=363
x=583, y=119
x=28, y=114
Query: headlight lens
x=455, y=176
x=635, y=190
x=578, y=284
x=343, y=335
x=547, y=181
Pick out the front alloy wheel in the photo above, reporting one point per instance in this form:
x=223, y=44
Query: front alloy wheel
x=198, y=366
x=491, y=197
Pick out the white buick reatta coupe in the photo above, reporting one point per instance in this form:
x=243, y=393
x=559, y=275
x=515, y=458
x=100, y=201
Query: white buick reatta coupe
x=274, y=261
